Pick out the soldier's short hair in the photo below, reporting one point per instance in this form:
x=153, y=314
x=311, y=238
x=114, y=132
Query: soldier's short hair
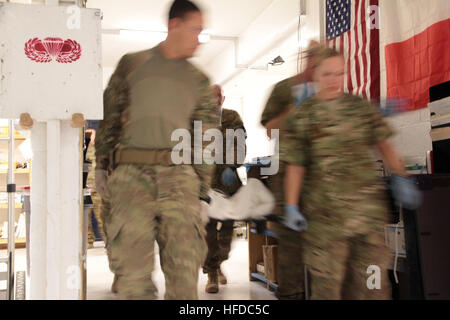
x=323, y=54
x=180, y=8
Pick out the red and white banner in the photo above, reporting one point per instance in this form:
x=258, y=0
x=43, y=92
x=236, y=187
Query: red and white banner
x=414, y=48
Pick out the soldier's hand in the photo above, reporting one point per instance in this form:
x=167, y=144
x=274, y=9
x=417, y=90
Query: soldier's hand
x=293, y=219
x=101, y=178
x=405, y=192
x=228, y=177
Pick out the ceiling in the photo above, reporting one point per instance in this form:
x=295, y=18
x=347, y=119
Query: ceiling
x=223, y=18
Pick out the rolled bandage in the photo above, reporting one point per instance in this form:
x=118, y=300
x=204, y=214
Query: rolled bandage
x=26, y=122
x=77, y=121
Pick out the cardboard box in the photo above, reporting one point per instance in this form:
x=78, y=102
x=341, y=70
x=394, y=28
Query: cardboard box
x=270, y=255
x=260, y=268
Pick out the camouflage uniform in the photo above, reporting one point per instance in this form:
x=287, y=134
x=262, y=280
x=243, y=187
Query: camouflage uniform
x=341, y=197
x=97, y=201
x=158, y=201
x=219, y=241
x=290, y=265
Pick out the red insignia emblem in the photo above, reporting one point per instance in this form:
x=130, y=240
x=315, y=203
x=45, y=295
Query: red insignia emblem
x=46, y=50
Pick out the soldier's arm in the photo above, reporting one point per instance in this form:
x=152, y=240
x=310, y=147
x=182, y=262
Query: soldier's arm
x=115, y=101
x=293, y=182
x=393, y=159
x=278, y=107
x=379, y=137
x=234, y=121
x=206, y=112
x=294, y=151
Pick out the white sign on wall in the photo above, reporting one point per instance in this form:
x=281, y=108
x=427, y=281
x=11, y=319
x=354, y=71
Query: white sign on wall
x=50, y=62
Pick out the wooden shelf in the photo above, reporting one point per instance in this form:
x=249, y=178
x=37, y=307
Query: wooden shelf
x=256, y=241
x=19, y=171
x=5, y=205
x=267, y=232
x=4, y=133
x=261, y=277
x=20, y=243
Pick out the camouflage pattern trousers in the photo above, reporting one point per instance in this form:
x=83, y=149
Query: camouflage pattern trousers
x=291, y=270
x=155, y=203
x=105, y=216
x=340, y=270
x=219, y=244
x=97, y=211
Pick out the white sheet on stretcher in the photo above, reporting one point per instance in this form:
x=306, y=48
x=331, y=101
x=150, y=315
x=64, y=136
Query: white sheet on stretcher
x=252, y=201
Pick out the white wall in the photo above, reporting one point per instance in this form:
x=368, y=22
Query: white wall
x=107, y=73
x=412, y=135
x=273, y=33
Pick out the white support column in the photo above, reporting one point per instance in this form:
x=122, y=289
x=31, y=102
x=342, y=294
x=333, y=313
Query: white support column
x=56, y=210
x=54, y=213
x=323, y=23
x=71, y=212
x=38, y=217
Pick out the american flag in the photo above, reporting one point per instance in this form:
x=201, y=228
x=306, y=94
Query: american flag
x=349, y=30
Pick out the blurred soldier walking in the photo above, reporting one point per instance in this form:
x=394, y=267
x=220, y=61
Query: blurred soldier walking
x=343, y=207
x=97, y=201
x=287, y=95
x=102, y=207
x=151, y=94
x=219, y=234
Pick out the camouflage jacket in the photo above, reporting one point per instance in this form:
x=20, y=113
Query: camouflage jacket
x=280, y=100
x=230, y=120
x=116, y=101
x=333, y=140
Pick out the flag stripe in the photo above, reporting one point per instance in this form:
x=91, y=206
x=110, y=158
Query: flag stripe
x=375, y=85
x=363, y=53
x=357, y=49
x=352, y=75
x=347, y=61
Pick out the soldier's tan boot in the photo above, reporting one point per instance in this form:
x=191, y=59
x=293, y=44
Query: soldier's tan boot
x=221, y=276
x=114, y=284
x=213, y=283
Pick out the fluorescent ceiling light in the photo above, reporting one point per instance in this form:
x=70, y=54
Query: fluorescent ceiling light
x=204, y=38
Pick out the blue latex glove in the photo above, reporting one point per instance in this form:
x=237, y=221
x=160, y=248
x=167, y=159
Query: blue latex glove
x=229, y=177
x=405, y=192
x=293, y=219
x=303, y=92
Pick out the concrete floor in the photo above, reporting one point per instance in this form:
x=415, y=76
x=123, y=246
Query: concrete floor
x=235, y=268
x=99, y=277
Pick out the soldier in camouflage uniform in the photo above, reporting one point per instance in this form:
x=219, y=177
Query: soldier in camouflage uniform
x=97, y=201
x=219, y=241
x=151, y=94
x=280, y=103
x=91, y=128
x=101, y=207
x=327, y=147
